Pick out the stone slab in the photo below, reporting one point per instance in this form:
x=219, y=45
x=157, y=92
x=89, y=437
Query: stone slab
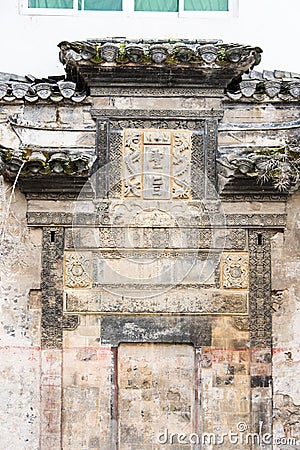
x=181, y=301
x=186, y=330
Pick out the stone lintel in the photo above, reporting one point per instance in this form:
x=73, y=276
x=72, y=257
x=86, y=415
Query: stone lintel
x=185, y=330
x=271, y=221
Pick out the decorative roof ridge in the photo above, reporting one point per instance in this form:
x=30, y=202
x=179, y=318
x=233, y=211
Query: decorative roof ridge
x=122, y=51
x=120, y=40
x=30, y=89
x=265, y=86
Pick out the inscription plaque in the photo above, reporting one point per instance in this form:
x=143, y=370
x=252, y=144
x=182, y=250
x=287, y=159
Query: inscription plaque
x=157, y=164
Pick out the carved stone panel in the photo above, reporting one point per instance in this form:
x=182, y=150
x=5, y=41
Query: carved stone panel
x=275, y=221
x=52, y=293
x=235, y=271
x=260, y=289
x=172, y=301
x=155, y=237
x=114, y=168
x=181, y=164
x=157, y=164
x=77, y=270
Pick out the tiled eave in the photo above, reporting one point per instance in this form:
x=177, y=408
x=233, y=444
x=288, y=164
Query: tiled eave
x=13, y=89
x=34, y=162
x=266, y=86
x=123, y=62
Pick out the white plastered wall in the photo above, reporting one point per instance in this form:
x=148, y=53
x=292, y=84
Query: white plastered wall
x=29, y=42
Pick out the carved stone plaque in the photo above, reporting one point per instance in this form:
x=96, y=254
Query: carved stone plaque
x=235, y=271
x=156, y=175
x=157, y=164
x=77, y=270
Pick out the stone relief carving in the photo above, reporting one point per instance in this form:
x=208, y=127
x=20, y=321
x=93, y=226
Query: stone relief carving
x=282, y=197
x=157, y=238
x=159, y=114
x=132, y=164
x=162, y=92
x=193, y=254
x=77, y=270
x=157, y=164
x=157, y=137
x=101, y=185
x=165, y=122
x=231, y=220
x=260, y=289
x=114, y=188
x=210, y=150
x=181, y=301
x=235, y=271
x=181, y=164
x=52, y=283
x=235, y=239
x=197, y=166
x=111, y=237
x=241, y=323
x=154, y=236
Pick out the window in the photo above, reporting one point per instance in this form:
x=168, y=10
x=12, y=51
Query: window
x=206, y=5
x=156, y=5
x=87, y=5
x=179, y=7
x=100, y=5
x=57, y=4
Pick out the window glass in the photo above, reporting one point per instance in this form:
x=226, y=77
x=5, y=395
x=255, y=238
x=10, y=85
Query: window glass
x=206, y=5
x=102, y=5
x=156, y=5
x=59, y=4
x=139, y=5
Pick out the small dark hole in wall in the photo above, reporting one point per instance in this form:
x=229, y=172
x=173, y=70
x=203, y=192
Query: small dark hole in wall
x=52, y=236
x=259, y=239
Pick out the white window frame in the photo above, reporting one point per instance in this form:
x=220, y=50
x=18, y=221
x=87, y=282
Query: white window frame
x=24, y=9
x=128, y=10
x=232, y=12
x=125, y=11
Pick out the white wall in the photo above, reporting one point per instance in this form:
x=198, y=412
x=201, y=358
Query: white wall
x=28, y=43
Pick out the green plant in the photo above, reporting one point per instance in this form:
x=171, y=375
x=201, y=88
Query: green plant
x=281, y=165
